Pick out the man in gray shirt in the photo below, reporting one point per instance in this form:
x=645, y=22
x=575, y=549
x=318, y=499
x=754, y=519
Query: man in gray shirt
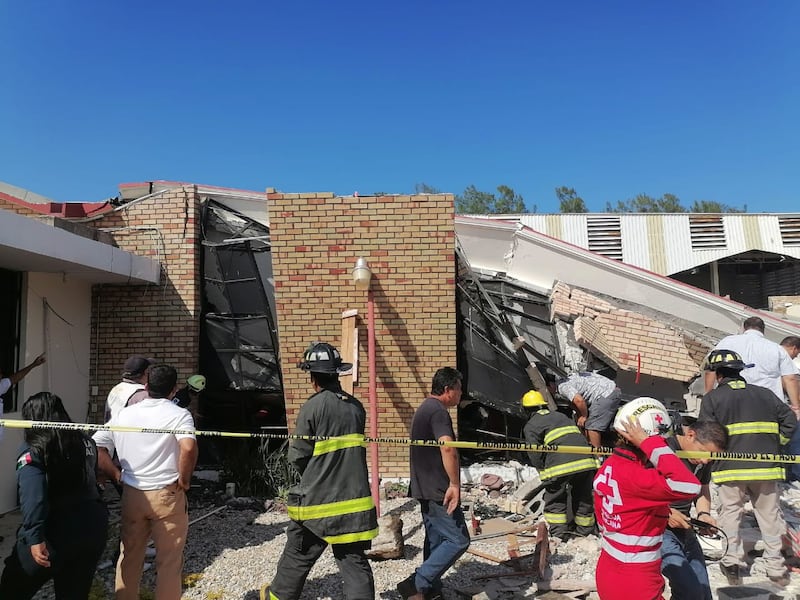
x=595, y=398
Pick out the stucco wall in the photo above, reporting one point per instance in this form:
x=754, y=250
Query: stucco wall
x=56, y=318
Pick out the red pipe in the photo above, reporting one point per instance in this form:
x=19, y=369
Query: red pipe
x=373, y=403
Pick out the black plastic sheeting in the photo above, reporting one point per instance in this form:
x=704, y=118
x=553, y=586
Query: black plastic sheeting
x=238, y=338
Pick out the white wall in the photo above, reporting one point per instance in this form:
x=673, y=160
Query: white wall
x=63, y=331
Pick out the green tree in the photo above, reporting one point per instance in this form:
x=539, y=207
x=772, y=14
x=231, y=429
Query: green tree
x=712, y=206
x=569, y=201
x=642, y=203
x=474, y=201
x=424, y=188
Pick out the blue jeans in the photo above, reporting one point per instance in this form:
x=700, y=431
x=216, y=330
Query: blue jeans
x=682, y=563
x=446, y=539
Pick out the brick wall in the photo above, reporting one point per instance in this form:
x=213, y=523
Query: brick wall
x=163, y=320
x=17, y=206
x=409, y=244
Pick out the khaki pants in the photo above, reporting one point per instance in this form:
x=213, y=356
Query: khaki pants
x=160, y=514
x=766, y=506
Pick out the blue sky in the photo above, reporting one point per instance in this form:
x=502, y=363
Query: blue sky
x=699, y=99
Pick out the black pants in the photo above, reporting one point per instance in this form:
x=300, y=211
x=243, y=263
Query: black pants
x=302, y=550
x=556, y=496
x=73, y=560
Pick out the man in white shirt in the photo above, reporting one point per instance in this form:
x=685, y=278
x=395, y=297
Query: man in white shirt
x=131, y=389
x=156, y=472
x=771, y=367
x=792, y=346
x=6, y=383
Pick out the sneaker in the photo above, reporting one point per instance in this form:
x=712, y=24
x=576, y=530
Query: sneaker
x=407, y=588
x=732, y=573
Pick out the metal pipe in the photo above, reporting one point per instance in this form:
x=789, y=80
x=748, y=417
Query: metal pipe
x=373, y=402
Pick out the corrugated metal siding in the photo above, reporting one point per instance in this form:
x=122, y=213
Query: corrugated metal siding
x=734, y=227
x=655, y=239
x=575, y=230
x=752, y=233
x=770, y=231
x=536, y=222
x=554, y=228
x=635, y=248
x=677, y=243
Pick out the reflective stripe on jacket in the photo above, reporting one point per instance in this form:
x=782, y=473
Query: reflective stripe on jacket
x=757, y=422
x=333, y=497
x=555, y=428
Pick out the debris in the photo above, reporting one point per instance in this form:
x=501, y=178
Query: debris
x=490, y=481
x=542, y=550
x=245, y=503
x=389, y=543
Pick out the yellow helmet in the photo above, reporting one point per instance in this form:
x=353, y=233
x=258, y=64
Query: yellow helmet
x=533, y=398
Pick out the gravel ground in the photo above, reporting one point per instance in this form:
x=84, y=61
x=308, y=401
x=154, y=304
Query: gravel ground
x=232, y=554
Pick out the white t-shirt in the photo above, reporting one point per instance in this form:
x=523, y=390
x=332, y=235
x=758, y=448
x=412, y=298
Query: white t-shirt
x=119, y=395
x=770, y=361
x=149, y=460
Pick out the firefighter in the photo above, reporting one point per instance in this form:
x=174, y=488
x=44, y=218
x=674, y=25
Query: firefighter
x=564, y=475
x=331, y=505
x=634, y=489
x=757, y=422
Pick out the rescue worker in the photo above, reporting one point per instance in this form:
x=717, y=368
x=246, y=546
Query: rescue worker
x=757, y=422
x=595, y=399
x=634, y=488
x=565, y=475
x=682, y=561
x=332, y=503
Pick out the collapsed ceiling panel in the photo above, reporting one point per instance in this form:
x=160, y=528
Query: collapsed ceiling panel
x=239, y=342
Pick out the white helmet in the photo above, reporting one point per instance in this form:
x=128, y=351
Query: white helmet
x=651, y=414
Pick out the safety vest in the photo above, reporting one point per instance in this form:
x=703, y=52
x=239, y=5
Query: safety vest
x=333, y=497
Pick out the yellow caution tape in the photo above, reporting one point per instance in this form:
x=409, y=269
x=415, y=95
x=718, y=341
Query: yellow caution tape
x=386, y=441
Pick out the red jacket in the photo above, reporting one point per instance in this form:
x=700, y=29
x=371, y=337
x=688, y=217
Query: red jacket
x=632, y=499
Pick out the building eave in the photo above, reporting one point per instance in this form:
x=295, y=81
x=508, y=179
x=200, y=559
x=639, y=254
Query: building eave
x=28, y=244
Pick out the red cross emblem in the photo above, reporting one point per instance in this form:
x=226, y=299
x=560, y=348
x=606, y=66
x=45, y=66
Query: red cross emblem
x=658, y=419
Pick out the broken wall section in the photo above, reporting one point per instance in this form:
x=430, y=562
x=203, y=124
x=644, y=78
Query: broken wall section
x=665, y=352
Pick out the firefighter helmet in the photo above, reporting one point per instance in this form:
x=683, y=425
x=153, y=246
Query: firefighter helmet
x=725, y=359
x=323, y=358
x=197, y=383
x=651, y=414
x=533, y=398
